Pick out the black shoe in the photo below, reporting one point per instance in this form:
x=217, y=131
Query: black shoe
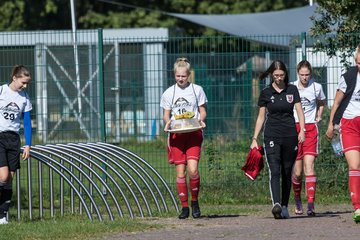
x=195, y=209
x=276, y=211
x=310, y=210
x=184, y=213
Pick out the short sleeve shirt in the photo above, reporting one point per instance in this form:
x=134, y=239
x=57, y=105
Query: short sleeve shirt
x=12, y=105
x=280, y=121
x=353, y=108
x=309, y=96
x=181, y=100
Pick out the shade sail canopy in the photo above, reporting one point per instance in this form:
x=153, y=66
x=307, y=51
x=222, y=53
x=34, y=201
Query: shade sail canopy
x=253, y=25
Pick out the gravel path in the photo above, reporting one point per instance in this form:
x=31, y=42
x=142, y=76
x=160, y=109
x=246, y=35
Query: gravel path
x=331, y=222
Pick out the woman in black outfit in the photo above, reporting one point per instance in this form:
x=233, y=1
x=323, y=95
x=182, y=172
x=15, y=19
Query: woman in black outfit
x=277, y=102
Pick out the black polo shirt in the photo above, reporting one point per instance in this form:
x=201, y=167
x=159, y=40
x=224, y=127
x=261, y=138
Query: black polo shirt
x=280, y=121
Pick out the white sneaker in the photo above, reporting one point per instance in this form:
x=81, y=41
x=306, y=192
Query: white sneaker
x=3, y=221
x=298, y=207
x=285, y=212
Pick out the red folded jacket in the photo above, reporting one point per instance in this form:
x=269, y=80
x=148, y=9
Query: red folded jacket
x=254, y=162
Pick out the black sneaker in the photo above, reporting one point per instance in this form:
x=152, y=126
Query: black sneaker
x=184, y=213
x=195, y=209
x=276, y=211
x=310, y=210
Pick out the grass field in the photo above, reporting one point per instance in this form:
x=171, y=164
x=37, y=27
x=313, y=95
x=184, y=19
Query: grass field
x=223, y=184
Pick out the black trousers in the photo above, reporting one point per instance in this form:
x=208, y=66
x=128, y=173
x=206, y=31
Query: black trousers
x=280, y=155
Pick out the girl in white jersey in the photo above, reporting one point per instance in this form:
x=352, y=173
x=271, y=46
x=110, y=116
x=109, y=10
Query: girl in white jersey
x=345, y=113
x=184, y=148
x=14, y=103
x=312, y=100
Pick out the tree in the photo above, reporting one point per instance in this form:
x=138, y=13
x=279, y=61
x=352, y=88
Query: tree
x=55, y=14
x=11, y=15
x=337, y=27
x=17, y=15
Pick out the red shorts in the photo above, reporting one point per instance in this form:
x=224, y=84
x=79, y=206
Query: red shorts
x=311, y=144
x=350, y=134
x=184, y=146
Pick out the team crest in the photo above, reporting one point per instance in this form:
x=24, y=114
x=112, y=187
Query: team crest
x=289, y=98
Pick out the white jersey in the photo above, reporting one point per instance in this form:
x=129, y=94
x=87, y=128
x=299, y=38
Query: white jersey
x=309, y=96
x=353, y=109
x=180, y=100
x=12, y=105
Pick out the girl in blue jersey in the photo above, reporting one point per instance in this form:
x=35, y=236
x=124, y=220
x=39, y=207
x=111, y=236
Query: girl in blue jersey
x=14, y=104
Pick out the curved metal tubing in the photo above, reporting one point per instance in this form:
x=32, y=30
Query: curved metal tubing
x=38, y=154
x=62, y=150
x=132, y=168
x=95, y=162
x=44, y=149
x=123, y=170
x=40, y=182
x=137, y=173
x=29, y=187
x=67, y=147
x=18, y=194
x=47, y=163
x=149, y=166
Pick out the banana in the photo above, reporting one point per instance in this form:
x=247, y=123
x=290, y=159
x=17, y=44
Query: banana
x=185, y=115
x=180, y=116
x=189, y=115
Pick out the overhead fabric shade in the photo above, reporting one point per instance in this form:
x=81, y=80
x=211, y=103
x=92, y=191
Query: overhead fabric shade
x=252, y=25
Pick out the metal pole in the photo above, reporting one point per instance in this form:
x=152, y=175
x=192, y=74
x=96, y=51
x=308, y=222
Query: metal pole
x=18, y=194
x=30, y=188
x=77, y=72
x=41, y=203
x=51, y=186
x=267, y=64
x=117, y=93
x=62, y=191
x=101, y=85
x=303, y=45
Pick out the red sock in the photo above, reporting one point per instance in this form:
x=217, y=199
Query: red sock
x=182, y=191
x=354, y=187
x=296, y=183
x=310, y=185
x=194, y=187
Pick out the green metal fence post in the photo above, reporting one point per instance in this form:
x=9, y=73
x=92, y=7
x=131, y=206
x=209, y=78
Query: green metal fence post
x=102, y=100
x=303, y=45
x=101, y=84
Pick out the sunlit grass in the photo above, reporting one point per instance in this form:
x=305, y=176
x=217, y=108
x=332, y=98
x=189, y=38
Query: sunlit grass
x=74, y=227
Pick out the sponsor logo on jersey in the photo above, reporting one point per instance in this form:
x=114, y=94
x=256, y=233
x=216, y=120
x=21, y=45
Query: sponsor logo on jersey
x=305, y=102
x=356, y=96
x=11, y=107
x=181, y=103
